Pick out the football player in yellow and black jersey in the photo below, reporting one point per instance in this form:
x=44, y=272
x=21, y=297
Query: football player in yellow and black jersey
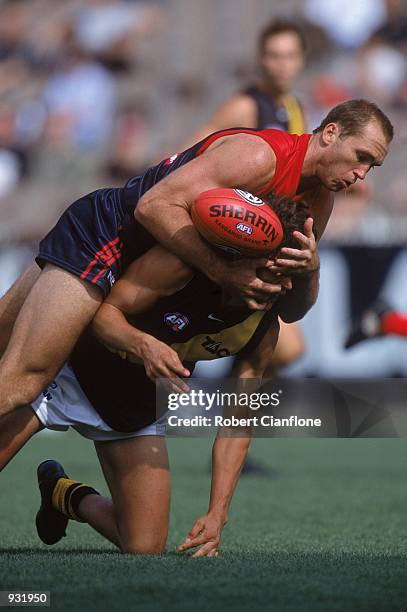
x=162, y=317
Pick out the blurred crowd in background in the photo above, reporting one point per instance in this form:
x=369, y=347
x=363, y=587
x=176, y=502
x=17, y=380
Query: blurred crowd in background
x=93, y=91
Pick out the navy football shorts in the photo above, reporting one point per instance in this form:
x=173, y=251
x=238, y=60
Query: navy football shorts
x=87, y=240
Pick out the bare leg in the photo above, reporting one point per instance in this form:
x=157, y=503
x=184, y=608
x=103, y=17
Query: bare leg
x=290, y=345
x=52, y=317
x=98, y=512
x=137, y=473
x=11, y=302
x=15, y=430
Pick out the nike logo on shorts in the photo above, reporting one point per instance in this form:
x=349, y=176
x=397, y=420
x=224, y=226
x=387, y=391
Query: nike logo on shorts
x=210, y=316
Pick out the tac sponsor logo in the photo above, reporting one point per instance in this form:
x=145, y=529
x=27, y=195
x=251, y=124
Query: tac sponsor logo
x=215, y=347
x=249, y=197
x=244, y=229
x=176, y=321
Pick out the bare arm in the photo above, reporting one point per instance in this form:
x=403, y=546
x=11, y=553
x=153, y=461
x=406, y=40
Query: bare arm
x=228, y=455
x=238, y=111
x=303, y=263
x=154, y=275
x=241, y=160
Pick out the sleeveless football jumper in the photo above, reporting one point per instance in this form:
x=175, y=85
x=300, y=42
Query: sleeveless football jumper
x=98, y=236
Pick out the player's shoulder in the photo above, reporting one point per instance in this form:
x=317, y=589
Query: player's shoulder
x=241, y=100
x=238, y=110
x=250, y=144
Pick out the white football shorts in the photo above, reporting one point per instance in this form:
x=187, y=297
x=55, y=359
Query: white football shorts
x=63, y=404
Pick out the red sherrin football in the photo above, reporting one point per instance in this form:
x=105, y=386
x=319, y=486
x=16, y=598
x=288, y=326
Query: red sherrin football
x=237, y=221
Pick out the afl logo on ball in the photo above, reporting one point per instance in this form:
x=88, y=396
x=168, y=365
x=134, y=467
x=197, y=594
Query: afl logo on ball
x=249, y=197
x=245, y=229
x=176, y=321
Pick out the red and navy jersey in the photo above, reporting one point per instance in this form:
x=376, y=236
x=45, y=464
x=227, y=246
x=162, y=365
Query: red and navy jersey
x=289, y=149
x=98, y=236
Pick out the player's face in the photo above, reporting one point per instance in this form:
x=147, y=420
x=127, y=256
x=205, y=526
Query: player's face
x=282, y=60
x=349, y=159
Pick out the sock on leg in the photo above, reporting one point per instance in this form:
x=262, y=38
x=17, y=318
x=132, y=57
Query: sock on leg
x=68, y=494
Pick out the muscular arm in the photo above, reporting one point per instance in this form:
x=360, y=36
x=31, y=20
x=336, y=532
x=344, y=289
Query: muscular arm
x=229, y=453
x=154, y=275
x=241, y=160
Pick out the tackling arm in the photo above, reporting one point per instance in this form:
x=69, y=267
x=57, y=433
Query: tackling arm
x=240, y=160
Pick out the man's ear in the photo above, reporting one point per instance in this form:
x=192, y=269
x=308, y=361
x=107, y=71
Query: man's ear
x=330, y=133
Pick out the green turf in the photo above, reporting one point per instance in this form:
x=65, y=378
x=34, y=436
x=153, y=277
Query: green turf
x=329, y=533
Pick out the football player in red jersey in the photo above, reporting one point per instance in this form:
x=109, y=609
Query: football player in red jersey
x=85, y=253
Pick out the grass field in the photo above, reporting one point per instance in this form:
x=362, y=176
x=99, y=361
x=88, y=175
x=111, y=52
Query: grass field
x=330, y=532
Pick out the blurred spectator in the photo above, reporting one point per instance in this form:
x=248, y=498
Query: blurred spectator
x=9, y=172
x=129, y=145
x=80, y=100
x=348, y=23
x=269, y=102
x=108, y=29
x=394, y=30
x=382, y=71
x=14, y=22
x=12, y=160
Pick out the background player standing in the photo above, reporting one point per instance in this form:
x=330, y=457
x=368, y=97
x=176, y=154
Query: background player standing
x=268, y=103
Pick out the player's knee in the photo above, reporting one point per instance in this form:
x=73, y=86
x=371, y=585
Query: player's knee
x=154, y=545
